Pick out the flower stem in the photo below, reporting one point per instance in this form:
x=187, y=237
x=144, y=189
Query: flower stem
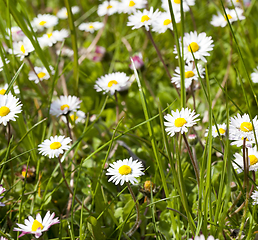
x=136, y=225
x=195, y=166
x=68, y=187
x=161, y=58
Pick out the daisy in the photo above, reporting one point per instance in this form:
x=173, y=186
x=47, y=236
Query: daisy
x=241, y=126
x=232, y=14
x=65, y=52
x=40, y=74
x=3, y=89
x=91, y=27
x=203, y=238
x=200, y=45
x=62, y=13
x=163, y=22
x=51, y=38
x=64, y=105
x=254, y=75
x=2, y=190
x=238, y=141
x=254, y=196
x=9, y=107
x=191, y=74
x=22, y=48
x=252, y=160
x=112, y=82
x=108, y=7
x=145, y=18
x=44, y=21
x=76, y=117
x=55, y=146
x=37, y=226
x=176, y=5
x=126, y=170
x=180, y=121
x=128, y=6
x=137, y=60
x=17, y=34
x=236, y=3
x=222, y=130
x=2, y=64
x=2, y=238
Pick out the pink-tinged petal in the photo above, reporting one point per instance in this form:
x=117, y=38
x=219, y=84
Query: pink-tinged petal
x=22, y=234
x=31, y=219
x=38, y=233
x=46, y=218
x=38, y=217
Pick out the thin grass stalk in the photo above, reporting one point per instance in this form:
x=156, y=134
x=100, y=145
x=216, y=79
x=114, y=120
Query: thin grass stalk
x=153, y=141
x=135, y=226
x=74, y=45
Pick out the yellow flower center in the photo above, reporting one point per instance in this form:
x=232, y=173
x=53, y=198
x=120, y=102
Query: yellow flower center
x=64, y=106
x=124, y=170
x=222, y=131
x=189, y=74
x=177, y=1
x=145, y=18
x=180, y=122
x=246, y=127
x=36, y=224
x=90, y=26
x=49, y=35
x=148, y=185
x=166, y=22
x=195, y=47
x=109, y=6
x=131, y=3
x=41, y=75
x=229, y=17
x=110, y=84
x=55, y=145
x=22, y=48
x=2, y=91
x=4, y=111
x=42, y=23
x=253, y=159
x=73, y=118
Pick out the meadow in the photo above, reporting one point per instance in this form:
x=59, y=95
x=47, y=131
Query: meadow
x=128, y=119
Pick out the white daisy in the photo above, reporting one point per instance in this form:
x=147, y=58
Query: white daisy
x=190, y=75
x=145, y=18
x=222, y=130
x=2, y=190
x=236, y=3
x=112, y=82
x=55, y=146
x=40, y=74
x=203, y=238
x=44, y=21
x=180, y=121
x=2, y=64
x=65, y=52
x=3, y=89
x=62, y=13
x=252, y=160
x=126, y=170
x=163, y=22
x=232, y=14
x=76, y=117
x=238, y=141
x=176, y=5
x=51, y=38
x=37, y=226
x=254, y=196
x=254, y=75
x=91, y=27
x=64, y=105
x=22, y=48
x=108, y=7
x=129, y=6
x=241, y=126
x=2, y=238
x=200, y=45
x=17, y=34
x=9, y=107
